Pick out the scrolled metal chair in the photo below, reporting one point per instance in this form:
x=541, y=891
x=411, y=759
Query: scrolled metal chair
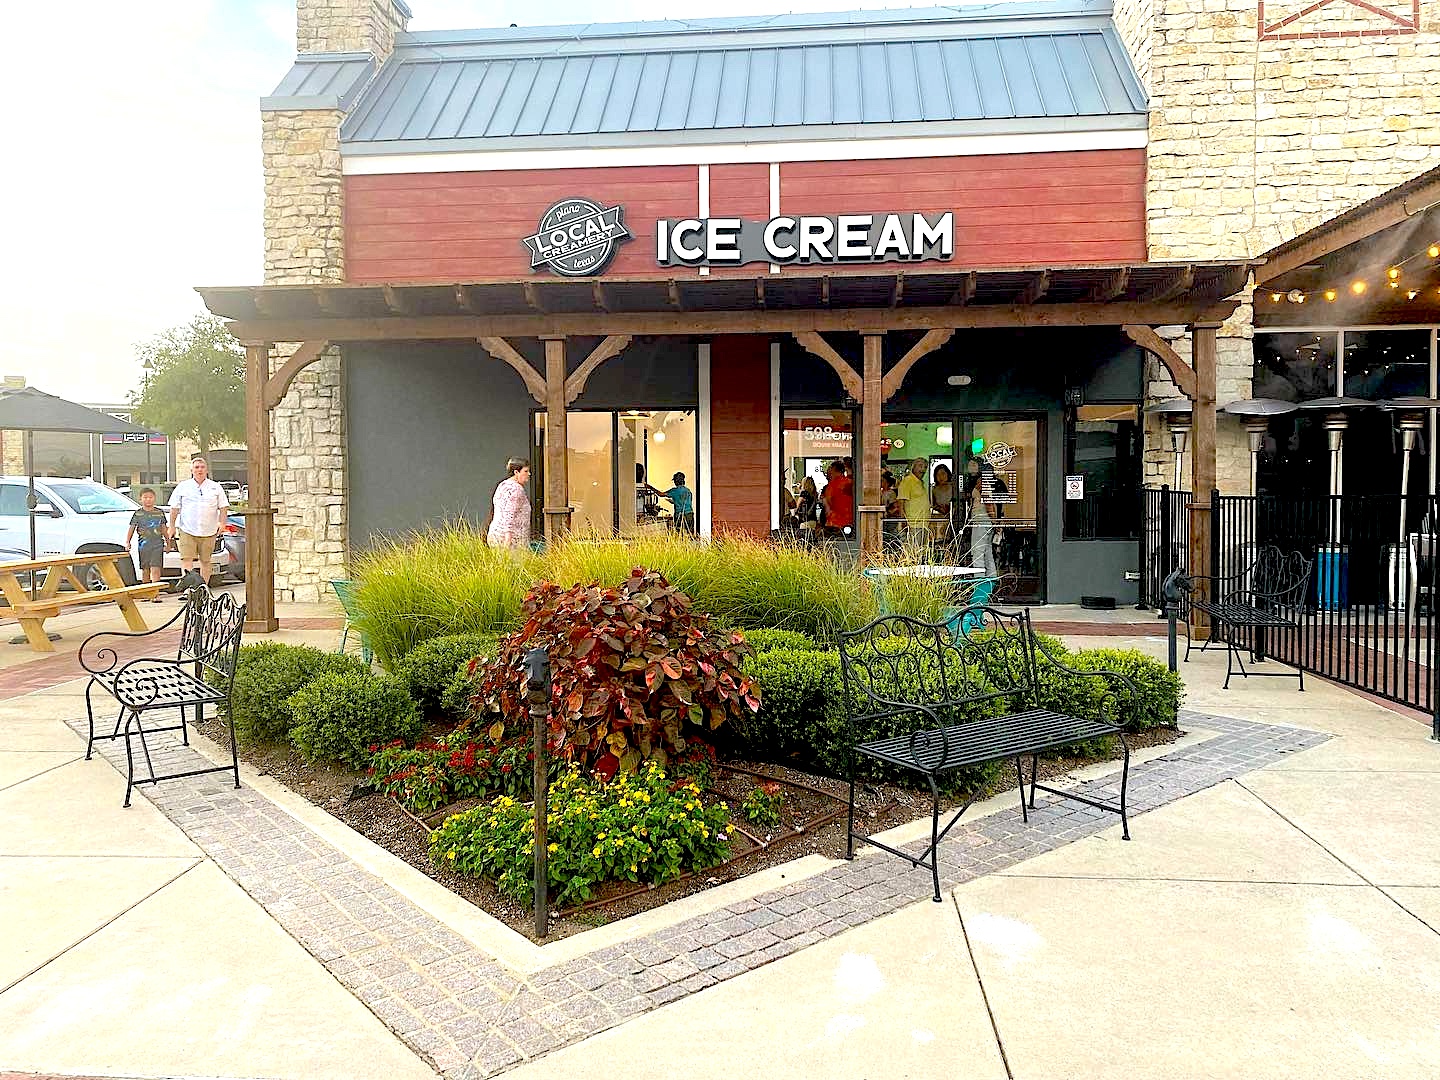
x=202, y=672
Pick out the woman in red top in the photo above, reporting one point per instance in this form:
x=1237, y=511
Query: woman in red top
x=510, y=508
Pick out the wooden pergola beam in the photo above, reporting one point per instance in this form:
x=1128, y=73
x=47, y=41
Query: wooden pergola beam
x=1113, y=286
x=557, y=478
x=890, y=385
x=816, y=345
x=966, y=292
x=1181, y=373
x=613, y=345
x=532, y=297
x=848, y=320
x=1181, y=281
x=278, y=384
x=1037, y=287
x=597, y=293
x=501, y=349
x=1331, y=237
x=396, y=301
x=260, y=515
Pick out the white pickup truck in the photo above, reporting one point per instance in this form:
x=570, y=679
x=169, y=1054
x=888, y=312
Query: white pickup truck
x=74, y=517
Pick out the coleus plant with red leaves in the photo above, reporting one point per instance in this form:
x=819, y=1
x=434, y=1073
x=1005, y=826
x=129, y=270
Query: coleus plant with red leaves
x=634, y=668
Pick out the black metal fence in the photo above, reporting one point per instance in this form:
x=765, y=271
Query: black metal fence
x=1164, y=539
x=1368, y=617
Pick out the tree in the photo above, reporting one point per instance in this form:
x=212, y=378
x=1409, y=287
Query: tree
x=194, y=384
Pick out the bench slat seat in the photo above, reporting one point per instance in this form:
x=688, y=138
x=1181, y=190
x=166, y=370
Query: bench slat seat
x=1245, y=614
x=170, y=685
x=989, y=739
x=924, y=677
x=52, y=605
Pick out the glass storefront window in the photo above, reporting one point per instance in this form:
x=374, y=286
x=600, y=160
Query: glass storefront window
x=1103, y=445
x=811, y=440
x=1381, y=364
x=620, y=464
x=1295, y=366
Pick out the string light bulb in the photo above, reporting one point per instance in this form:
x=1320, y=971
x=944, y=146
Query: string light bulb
x=1358, y=288
x=1275, y=298
x=1393, y=274
x=1412, y=294
x=1330, y=295
x=1433, y=251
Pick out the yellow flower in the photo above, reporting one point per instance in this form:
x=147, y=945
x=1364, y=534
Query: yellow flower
x=451, y=856
x=554, y=848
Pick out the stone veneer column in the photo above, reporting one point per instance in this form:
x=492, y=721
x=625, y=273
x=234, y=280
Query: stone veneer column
x=349, y=25
x=1253, y=141
x=304, y=242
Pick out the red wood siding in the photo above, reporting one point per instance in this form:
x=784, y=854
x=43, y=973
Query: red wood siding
x=1010, y=210
x=468, y=226
x=740, y=433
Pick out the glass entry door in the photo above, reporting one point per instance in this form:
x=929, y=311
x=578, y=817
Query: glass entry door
x=1004, y=460
x=970, y=489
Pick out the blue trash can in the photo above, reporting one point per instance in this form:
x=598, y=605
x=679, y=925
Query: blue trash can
x=1332, y=572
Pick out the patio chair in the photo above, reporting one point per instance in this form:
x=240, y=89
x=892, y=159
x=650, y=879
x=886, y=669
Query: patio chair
x=345, y=593
x=962, y=620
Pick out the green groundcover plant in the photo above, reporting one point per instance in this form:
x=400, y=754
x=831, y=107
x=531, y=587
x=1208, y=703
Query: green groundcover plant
x=641, y=828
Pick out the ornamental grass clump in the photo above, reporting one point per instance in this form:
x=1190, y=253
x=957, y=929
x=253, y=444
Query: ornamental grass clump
x=643, y=828
x=634, y=669
x=434, y=582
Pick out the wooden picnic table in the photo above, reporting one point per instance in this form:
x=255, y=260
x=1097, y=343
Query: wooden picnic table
x=60, y=571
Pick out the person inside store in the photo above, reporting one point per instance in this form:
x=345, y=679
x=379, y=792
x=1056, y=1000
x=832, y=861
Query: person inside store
x=888, y=496
x=980, y=476
x=647, y=498
x=942, y=500
x=509, y=525
x=683, y=501
x=807, y=507
x=914, y=503
x=838, y=499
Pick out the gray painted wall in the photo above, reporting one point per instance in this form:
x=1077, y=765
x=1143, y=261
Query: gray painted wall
x=429, y=426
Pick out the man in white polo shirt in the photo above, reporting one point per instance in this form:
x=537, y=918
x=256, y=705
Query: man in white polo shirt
x=199, y=506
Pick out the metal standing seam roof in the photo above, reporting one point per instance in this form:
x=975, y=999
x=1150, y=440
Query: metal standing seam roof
x=326, y=81
x=997, y=68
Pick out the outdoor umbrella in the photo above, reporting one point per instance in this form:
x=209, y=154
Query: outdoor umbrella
x=29, y=410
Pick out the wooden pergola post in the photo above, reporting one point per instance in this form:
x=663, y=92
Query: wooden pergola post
x=260, y=517
x=557, y=480
x=871, y=510
x=1202, y=450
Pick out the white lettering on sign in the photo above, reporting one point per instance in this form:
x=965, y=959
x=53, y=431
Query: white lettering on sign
x=806, y=239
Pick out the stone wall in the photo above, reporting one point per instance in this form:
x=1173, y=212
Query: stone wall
x=349, y=25
x=1253, y=142
x=304, y=242
x=1135, y=22
x=1256, y=138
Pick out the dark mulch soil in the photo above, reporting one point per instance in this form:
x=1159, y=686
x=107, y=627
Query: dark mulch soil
x=878, y=807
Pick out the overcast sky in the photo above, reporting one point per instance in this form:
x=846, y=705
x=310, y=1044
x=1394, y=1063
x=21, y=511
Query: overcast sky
x=132, y=170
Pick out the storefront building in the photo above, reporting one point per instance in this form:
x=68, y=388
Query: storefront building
x=741, y=248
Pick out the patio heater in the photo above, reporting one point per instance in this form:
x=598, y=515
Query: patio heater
x=1332, y=558
x=1255, y=413
x=1410, y=414
x=1176, y=413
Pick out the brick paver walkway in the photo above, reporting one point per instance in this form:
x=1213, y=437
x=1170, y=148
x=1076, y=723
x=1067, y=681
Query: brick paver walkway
x=471, y=1016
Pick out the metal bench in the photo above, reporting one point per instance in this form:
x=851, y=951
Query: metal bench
x=200, y=673
x=920, y=681
x=1269, y=594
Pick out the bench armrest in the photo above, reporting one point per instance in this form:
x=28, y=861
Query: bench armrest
x=1110, y=703
x=100, y=659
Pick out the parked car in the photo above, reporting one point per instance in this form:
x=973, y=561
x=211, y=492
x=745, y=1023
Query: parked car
x=232, y=535
x=75, y=516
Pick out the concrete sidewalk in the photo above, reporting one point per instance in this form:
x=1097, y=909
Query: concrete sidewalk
x=1282, y=922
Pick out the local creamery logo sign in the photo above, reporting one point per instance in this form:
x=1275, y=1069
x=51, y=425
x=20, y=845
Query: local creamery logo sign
x=577, y=238
x=805, y=241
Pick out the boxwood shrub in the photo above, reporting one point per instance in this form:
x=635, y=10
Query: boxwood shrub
x=430, y=667
x=766, y=640
x=266, y=674
x=346, y=716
